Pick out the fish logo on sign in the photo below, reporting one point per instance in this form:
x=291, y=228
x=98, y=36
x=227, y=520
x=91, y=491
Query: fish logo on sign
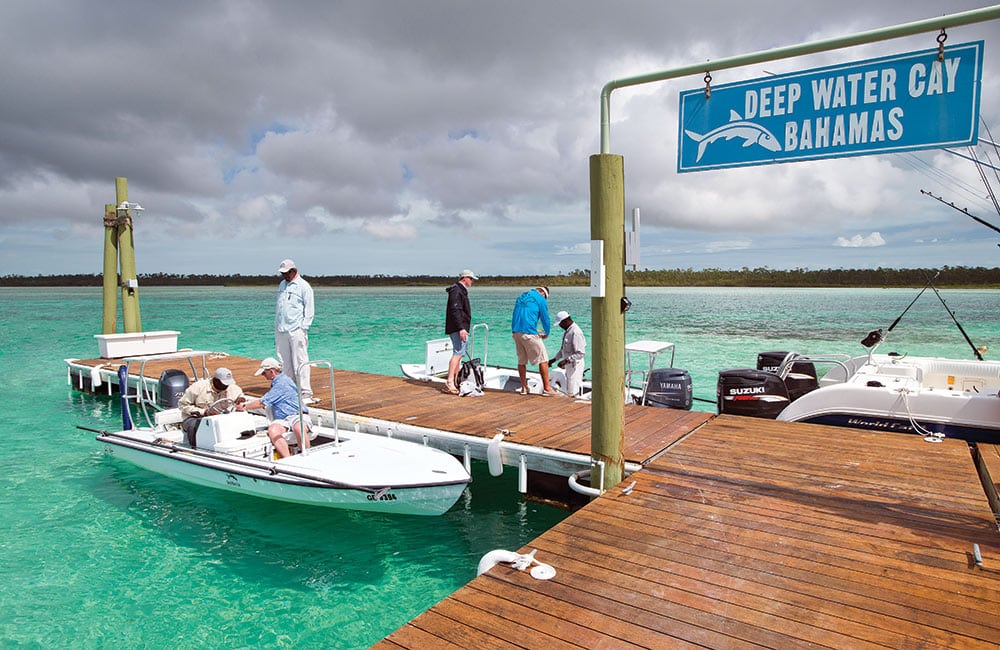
x=737, y=127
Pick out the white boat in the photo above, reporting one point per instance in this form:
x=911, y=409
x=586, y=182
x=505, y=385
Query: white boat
x=929, y=396
x=438, y=353
x=340, y=469
x=648, y=381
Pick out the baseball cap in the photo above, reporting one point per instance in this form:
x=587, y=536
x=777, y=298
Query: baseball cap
x=223, y=376
x=561, y=316
x=467, y=273
x=286, y=265
x=269, y=363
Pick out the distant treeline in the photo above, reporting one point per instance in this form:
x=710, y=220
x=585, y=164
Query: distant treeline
x=948, y=276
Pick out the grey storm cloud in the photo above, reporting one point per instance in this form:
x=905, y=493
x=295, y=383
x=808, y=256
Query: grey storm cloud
x=435, y=125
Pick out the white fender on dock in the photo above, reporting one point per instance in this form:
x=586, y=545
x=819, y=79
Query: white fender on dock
x=517, y=561
x=493, y=455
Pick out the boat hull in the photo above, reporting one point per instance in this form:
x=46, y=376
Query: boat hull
x=920, y=395
x=327, y=476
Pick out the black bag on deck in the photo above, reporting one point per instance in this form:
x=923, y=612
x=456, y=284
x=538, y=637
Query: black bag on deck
x=471, y=371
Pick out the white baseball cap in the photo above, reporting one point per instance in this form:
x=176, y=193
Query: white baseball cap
x=561, y=316
x=286, y=265
x=467, y=273
x=224, y=376
x=269, y=363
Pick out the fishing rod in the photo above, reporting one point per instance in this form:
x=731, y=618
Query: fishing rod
x=877, y=336
x=963, y=211
x=972, y=345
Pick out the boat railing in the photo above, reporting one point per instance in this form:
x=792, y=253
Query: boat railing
x=841, y=361
x=145, y=396
x=486, y=341
x=319, y=363
x=637, y=378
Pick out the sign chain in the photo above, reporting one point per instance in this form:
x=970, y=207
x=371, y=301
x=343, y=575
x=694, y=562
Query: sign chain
x=941, y=38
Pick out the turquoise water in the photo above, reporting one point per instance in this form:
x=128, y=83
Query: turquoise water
x=98, y=553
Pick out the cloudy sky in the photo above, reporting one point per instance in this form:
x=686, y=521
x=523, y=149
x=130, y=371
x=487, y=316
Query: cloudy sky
x=426, y=136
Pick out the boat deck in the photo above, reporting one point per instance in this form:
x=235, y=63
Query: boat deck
x=754, y=533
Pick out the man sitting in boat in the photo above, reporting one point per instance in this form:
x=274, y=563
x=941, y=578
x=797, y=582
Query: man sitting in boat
x=207, y=397
x=283, y=401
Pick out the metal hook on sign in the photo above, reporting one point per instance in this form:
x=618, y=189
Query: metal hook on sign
x=708, y=83
x=941, y=38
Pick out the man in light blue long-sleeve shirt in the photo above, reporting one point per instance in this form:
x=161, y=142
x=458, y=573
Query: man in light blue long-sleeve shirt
x=531, y=307
x=293, y=317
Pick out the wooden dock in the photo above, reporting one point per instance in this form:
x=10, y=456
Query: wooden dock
x=754, y=533
x=738, y=532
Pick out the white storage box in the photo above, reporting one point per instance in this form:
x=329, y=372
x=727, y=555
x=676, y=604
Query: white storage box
x=259, y=447
x=134, y=344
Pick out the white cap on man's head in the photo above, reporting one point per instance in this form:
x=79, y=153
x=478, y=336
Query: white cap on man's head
x=224, y=376
x=286, y=265
x=269, y=363
x=467, y=273
x=561, y=316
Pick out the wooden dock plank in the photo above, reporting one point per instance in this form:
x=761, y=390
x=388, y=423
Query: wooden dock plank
x=755, y=532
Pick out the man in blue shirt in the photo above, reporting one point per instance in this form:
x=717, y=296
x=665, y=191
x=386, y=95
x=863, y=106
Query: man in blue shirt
x=531, y=307
x=293, y=316
x=283, y=400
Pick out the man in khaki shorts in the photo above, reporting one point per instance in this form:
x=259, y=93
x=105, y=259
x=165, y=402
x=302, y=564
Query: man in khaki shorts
x=531, y=307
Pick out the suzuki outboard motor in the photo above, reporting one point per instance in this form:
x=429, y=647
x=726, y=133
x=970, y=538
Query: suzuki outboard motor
x=801, y=378
x=754, y=393
x=669, y=388
x=173, y=383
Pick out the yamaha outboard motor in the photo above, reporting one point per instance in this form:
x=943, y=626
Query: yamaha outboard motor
x=754, y=393
x=800, y=379
x=669, y=388
x=173, y=383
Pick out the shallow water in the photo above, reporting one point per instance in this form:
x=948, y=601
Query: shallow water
x=99, y=553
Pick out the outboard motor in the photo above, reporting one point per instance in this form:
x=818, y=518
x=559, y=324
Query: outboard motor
x=669, y=388
x=800, y=379
x=173, y=383
x=749, y=392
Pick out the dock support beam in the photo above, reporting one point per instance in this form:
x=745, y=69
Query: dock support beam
x=607, y=224
x=126, y=252
x=109, y=320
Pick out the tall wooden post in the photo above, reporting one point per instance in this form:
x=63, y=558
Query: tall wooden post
x=126, y=253
x=109, y=321
x=607, y=224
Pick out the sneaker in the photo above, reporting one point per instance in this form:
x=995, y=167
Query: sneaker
x=310, y=400
x=550, y=393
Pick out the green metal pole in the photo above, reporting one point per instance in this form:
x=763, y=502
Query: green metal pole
x=607, y=225
x=861, y=38
x=109, y=320
x=126, y=250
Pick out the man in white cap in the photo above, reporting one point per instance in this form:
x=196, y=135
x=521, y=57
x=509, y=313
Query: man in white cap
x=293, y=317
x=200, y=397
x=283, y=400
x=458, y=324
x=570, y=355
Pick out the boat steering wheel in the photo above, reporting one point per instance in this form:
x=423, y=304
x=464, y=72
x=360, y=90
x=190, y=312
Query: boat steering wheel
x=221, y=406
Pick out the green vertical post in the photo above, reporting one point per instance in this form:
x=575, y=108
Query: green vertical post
x=607, y=224
x=109, y=321
x=126, y=253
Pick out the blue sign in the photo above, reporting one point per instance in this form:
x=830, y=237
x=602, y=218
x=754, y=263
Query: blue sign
x=894, y=103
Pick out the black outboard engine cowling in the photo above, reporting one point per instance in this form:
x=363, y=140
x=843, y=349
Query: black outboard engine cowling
x=669, y=388
x=750, y=392
x=173, y=383
x=800, y=379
